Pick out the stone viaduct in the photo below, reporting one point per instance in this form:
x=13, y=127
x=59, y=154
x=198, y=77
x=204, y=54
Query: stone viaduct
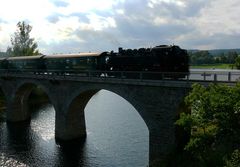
x=156, y=101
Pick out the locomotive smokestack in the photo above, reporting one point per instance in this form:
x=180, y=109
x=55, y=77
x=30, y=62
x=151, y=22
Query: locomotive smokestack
x=120, y=49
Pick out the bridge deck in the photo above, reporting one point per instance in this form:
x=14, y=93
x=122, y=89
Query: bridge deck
x=133, y=78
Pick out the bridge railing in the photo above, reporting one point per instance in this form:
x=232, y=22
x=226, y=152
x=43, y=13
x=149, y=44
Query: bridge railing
x=215, y=76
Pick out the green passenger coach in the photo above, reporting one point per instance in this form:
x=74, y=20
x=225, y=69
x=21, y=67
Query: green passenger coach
x=74, y=62
x=25, y=63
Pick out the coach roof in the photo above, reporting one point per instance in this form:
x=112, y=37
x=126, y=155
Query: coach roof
x=72, y=55
x=25, y=57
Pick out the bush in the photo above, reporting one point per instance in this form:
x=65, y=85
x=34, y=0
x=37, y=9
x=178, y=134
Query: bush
x=213, y=124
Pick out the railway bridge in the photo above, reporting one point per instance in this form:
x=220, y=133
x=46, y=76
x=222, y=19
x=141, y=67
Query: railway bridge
x=157, y=102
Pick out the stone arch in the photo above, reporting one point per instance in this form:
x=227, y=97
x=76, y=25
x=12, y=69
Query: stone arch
x=18, y=103
x=75, y=115
x=157, y=106
x=75, y=120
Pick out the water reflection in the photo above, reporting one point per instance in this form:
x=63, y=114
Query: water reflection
x=116, y=136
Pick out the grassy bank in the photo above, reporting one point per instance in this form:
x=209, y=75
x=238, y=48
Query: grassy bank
x=216, y=66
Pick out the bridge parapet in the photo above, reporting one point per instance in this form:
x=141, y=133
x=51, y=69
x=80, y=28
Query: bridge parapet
x=124, y=77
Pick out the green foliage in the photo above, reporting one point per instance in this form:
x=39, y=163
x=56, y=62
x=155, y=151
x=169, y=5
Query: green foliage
x=204, y=57
x=237, y=62
x=201, y=57
x=234, y=160
x=22, y=44
x=231, y=57
x=213, y=123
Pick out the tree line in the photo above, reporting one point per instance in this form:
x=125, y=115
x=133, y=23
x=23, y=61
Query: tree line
x=204, y=57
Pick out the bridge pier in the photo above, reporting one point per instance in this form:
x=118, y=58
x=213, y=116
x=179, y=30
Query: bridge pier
x=65, y=130
x=70, y=118
x=158, y=106
x=161, y=142
x=17, y=105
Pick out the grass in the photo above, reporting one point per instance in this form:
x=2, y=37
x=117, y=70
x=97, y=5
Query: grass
x=216, y=66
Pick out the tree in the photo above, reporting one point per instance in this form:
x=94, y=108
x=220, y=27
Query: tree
x=237, y=62
x=201, y=57
x=232, y=55
x=223, y=58
x=234, y=160
x=213, y=123
x=22, y=44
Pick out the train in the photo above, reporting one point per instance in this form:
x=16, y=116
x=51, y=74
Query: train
x=153, y=62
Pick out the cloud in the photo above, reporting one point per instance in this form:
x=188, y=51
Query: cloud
x=81, y=16
x=60, y=3
x=178, y=9
x=62, y=26
x=54, y=18
x=89, y=41
x=215, y=41
x=1, y=20
x=139, y=23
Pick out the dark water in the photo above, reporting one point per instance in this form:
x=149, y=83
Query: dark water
x=116, y=136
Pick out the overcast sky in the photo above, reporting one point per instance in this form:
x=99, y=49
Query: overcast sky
x=67, y=26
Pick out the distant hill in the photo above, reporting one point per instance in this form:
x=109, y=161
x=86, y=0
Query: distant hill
x=216, y=52
x=220, y=51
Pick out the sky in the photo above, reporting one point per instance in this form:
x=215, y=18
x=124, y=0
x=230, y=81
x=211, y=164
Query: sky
x=70, y=26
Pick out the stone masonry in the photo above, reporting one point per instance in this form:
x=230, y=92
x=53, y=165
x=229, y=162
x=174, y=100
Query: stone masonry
x=156, y=102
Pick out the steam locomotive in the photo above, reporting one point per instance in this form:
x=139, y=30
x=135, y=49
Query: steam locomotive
x=162, y=58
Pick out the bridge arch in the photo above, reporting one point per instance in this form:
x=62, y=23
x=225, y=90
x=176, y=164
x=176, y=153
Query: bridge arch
x=77, y=112
x=18, y=108
x=78, y=102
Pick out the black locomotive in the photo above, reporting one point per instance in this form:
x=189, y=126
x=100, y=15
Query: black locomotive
x=152, y=62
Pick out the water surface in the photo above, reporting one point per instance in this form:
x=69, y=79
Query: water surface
x=116, y=136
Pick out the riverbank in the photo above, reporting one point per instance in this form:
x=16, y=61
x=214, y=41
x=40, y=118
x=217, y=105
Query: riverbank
x=213, y=66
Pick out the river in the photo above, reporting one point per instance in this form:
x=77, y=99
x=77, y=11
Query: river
x=116, y=136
